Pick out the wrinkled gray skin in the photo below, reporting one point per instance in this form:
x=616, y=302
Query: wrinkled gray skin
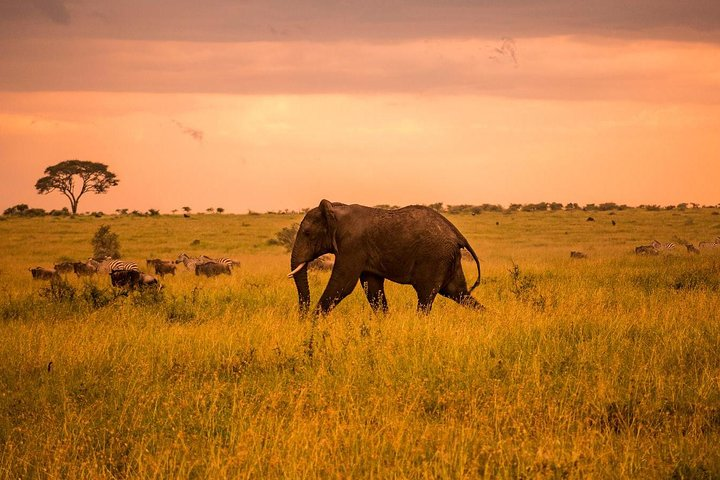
x=413, y=245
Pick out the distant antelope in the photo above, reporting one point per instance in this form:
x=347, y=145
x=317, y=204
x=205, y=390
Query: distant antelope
x=64, y=267
x=40, y=273
x=574, y=254
x=713, y=244
x=85, y=269
x=692, y=249
x=211, y=269
x=646, y=250
x=132, y=279
x=152, y=261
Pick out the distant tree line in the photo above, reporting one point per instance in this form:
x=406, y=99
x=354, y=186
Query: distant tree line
x=548, y=206
x=23, y=210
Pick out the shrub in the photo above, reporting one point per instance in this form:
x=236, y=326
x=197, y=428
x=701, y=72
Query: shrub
x=148, y=297
x=651, y=208
x=59, y=290
x=702, y=278
x=18, y=209
x=525, y=289
x=285, y=237
x=63, y=212
x=97, y=297
x=105, y=243
x=22, y=210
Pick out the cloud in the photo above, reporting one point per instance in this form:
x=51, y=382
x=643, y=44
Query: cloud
x=376, y=20
x=548, y=68
x=194, y=133
x=55, y=10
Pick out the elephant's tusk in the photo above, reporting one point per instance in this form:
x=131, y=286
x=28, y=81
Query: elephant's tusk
x=299, y=267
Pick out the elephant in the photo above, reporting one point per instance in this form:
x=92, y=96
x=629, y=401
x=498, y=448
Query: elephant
x=413, y=245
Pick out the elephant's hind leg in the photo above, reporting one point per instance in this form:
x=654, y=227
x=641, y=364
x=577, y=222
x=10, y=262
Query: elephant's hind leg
x=426, y=297
x=373, y=286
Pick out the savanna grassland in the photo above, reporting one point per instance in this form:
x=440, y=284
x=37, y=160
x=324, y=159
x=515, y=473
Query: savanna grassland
x=602, y=367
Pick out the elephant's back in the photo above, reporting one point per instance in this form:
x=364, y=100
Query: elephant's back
x=422, y=220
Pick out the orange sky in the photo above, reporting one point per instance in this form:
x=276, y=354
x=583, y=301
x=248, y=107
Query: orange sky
x=256, y=106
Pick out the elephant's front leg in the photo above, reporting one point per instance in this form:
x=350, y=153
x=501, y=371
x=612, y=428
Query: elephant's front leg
x=374, y=291
x=342, y=282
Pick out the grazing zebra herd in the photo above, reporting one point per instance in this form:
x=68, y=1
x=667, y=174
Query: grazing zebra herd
x=655, y=247
x=127, y=274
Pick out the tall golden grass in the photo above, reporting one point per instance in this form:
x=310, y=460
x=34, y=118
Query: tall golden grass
x=603, y=367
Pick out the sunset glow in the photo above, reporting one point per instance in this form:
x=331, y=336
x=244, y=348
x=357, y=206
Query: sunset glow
x=252, y=107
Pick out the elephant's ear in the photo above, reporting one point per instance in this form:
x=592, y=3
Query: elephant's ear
x=328, y=211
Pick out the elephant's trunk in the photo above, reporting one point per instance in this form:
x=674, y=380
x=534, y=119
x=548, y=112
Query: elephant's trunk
x=299, y=274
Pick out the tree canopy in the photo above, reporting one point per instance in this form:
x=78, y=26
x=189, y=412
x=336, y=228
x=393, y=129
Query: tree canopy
x=74, y=178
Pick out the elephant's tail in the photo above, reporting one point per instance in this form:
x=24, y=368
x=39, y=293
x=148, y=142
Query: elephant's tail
x=477, y=262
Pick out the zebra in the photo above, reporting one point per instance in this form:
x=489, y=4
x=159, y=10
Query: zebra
x=189, y=261
x=229, y=262
x=108, y=265
x=713, y=244
x=117, y=265
x=662, y=246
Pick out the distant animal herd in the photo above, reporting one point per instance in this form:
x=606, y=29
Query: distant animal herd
x=655, y=247
x=128, y=275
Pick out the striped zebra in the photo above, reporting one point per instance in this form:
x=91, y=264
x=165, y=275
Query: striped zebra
x=713, y=244
x=189, y=261
x=662, y=246
x=118, y=265
x=108, y=265
x=229, y=262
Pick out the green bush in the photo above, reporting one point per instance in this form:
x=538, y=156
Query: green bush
x=285, y=237
x=105, y=243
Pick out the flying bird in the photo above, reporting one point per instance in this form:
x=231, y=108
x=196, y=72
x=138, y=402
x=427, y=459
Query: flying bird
x=506, y=52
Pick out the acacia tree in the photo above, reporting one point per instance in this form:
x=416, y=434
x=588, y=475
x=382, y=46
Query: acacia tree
x=74, y=178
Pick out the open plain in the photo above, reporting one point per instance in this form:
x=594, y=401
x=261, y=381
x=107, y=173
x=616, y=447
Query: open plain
x=600, y=367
